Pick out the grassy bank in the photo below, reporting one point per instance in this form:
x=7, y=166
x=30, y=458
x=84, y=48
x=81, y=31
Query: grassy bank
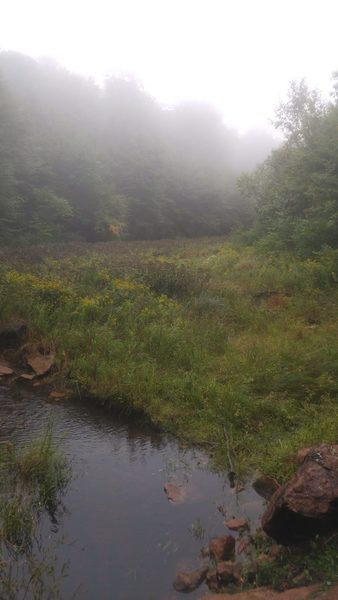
x=197, y=334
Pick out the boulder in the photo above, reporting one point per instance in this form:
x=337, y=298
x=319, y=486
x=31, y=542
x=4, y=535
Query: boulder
x=188, y=582
x=222, y=548
x=265, y=486
x=308, y=503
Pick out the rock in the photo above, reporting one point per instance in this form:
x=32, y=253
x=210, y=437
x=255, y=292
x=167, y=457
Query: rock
x=308, y=503
x=303, y=593
x=175, y=493
x=40, y=363
x=27, y=376
x=57, y=395
x=265, y=486
x=225, y=573
x=4, y=370
x=237, y=524
x=12, y=336
x=212, y=580
x=188, y=582
x=222, y=548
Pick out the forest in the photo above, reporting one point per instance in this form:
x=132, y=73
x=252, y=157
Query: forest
x=83, y=162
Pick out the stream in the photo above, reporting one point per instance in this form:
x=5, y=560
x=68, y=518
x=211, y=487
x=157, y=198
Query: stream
x=117, y=533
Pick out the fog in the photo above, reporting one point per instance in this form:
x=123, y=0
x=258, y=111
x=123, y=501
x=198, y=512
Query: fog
x=139, y=117
x=238, y=55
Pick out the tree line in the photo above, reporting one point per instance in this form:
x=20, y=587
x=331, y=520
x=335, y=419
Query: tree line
x=89, y=162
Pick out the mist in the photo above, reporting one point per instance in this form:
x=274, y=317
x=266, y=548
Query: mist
x=87, y=161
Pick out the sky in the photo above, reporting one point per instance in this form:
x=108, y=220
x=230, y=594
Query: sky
x=238, y=55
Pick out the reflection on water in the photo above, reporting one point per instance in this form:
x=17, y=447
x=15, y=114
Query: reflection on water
x=122, y=539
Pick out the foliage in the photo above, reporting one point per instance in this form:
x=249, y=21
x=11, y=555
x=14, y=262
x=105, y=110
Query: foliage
x=197, y=335
x=296, y=188
x=313, y=561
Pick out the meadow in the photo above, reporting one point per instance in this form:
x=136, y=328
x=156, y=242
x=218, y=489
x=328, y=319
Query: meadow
x=199, y=335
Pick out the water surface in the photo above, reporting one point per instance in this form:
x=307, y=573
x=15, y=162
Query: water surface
x=121, y=538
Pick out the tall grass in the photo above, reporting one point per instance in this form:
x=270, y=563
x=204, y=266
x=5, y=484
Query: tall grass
x=196, y=334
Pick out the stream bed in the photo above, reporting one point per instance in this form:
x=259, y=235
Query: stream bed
x=117, y=533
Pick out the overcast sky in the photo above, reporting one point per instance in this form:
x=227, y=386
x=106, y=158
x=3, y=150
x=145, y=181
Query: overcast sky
x=237, y=54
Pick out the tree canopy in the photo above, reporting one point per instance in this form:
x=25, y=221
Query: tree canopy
x=296, y=189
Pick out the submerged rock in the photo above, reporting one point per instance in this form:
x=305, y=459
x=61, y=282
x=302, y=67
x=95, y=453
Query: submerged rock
x=175, y=493
x=188, y=582
x=308, y=503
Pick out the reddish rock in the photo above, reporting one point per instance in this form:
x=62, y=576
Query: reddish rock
x=4, y=370
x=57, y=395
x=175, y=493
x=265, y=486
x=237, y=524
x=225, y=573
x=222, y=548
x=308, y=503
x=188, y=582
x=40, y=363
x=212, y=580
x=27, y=376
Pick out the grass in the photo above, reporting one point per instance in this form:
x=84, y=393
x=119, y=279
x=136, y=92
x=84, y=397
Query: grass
x=31, y=481
x=315, y=561
x=197, y=334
